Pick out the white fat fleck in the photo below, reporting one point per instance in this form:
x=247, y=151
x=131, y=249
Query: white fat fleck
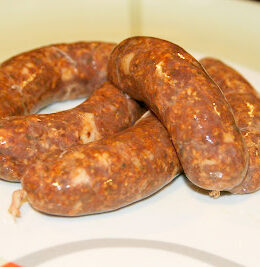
x=81, y=177
x=126, y=62
x=228, y=138
x=89, y=132
x=136, y=162
x=150, y=156
x=31, y=78
x=103, y=158
x=46, y=145
x=25, y=71
x=189, y=91
x=251, y=110
x=17, y=88
x=216, y=174
x=29, y=65
x=66, y=74
x=78, y=155
x=62, y=153
x=160, y=71
x=208, y=162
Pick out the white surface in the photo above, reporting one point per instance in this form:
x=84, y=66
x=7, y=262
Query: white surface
x=228, y=227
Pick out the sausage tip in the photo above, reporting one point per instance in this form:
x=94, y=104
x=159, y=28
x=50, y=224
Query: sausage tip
x=18, y=198
x=214, y=194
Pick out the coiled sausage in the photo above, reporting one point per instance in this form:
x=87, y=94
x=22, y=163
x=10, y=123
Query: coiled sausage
x=24, y=138
x=34, y=79
x=103, y=175
x=191, y=106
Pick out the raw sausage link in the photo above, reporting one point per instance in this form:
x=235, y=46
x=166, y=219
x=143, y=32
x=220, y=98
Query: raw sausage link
x=36, y=78
x=104, y=175
x=245, y=102
x=191, y=106
x=24, y=138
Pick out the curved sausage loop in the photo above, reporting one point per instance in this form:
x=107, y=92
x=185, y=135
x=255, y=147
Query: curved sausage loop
x=28, y=137
x=104, y=175
x=245, y=103
x=32, y=80
x=189, y=104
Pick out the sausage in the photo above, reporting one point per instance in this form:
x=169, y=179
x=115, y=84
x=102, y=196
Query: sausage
x=34, y=79
x=103, y=175
x=23, y=138
x=189, y=104
x=245, y=103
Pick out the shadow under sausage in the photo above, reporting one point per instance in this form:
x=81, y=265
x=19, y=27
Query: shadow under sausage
x=202, y=191
x=225, y=197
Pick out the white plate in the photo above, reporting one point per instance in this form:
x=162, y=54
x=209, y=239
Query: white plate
x=178, y=226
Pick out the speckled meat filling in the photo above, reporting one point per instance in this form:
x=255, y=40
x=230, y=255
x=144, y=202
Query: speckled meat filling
x=245, y=103
x=104, y=175
x=39, y=77
x=190, y=105
x=25, y=138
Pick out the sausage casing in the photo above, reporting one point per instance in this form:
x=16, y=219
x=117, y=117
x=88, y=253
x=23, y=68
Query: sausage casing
x=245, y=103
x=23, y=138
x=39, y=77
x=190, y=105
x=104, y=175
